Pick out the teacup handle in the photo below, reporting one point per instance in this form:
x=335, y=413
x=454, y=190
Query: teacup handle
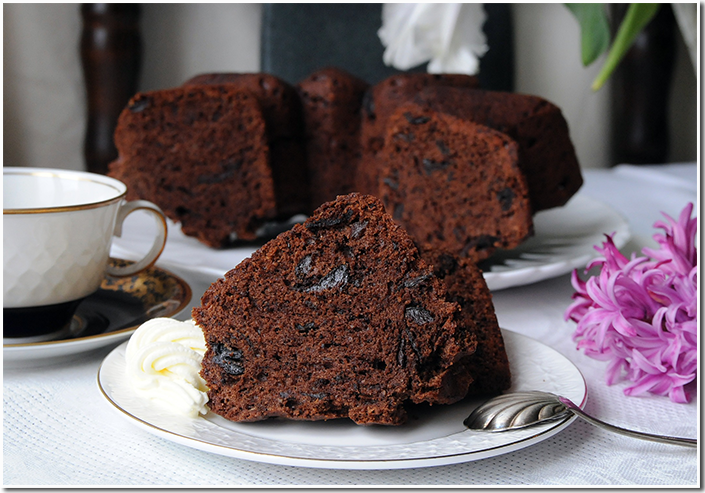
x=159, y=241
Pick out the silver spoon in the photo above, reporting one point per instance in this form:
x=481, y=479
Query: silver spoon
x=522, y=409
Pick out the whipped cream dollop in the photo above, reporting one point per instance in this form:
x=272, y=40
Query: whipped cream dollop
x=163, y=364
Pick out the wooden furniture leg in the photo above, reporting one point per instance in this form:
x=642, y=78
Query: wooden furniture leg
x=110, y=56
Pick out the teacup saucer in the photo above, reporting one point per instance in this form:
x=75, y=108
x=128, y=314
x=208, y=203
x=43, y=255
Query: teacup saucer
x=107, y=317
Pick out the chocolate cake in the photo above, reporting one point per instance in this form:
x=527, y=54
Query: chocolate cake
x=338, y=317
x=332, y=135
x=546, y=154
x=381, y=100
x=200, y=153
x=331, y=100
x=465, y=285
x=454, y=185
x=284, y=125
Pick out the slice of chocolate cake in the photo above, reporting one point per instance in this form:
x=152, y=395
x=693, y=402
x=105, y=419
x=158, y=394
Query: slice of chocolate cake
x=282, y=112
x=338, y=317
x=452, y=184
x=200, y=153
x=381, y=101
x=546, y=154
x=331, y=100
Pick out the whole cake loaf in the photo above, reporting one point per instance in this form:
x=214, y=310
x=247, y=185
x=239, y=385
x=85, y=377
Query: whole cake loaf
x=333, y=134
x=331, y=100
x=381, y=100
x=546, y=154
x=284, y=126
x=341, y=317
x=201, y=154
x=454, y=185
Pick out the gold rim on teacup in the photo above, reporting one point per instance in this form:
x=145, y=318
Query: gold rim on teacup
x=66, y=174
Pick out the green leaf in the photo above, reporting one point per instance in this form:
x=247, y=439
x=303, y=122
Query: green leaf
x=638, y=16
x=594, y=29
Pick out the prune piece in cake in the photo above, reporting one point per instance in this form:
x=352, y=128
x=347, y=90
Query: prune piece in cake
x=333, y=321
x=332, y=101
x=546, y=154
x=230, y=360
x=281, y=108
x=457, y=186
x=200, y=153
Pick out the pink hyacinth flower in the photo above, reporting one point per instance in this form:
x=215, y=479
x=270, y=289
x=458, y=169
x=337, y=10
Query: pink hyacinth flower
x=640, y=314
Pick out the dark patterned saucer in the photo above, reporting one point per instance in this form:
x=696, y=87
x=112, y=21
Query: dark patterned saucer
x=109, y=315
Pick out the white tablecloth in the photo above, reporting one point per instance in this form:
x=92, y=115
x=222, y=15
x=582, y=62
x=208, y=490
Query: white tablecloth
x=59, y=430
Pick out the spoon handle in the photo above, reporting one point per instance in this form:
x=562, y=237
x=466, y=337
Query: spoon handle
x=686, y=442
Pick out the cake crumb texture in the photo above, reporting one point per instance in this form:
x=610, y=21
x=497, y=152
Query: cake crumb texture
x=200, y=153
x=338, y=317
x=452, y=184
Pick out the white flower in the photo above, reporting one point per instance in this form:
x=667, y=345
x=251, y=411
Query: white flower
x=687, y=17
x=447, y=35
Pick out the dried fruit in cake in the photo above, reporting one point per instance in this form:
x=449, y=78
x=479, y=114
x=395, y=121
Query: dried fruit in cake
x=201, y=154
x=452, y=184
x=331, y=100
x=282, y=112
x=381, y=100
x=338, y=317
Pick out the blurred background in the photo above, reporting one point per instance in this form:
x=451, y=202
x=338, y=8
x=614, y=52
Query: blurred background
x=45, y=101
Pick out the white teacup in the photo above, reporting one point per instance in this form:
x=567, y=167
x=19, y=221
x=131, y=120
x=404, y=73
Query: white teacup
x=58, y=229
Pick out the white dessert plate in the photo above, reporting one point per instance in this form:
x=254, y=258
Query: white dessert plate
x=432, y=436
x=564, y=240
x=106, y=317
